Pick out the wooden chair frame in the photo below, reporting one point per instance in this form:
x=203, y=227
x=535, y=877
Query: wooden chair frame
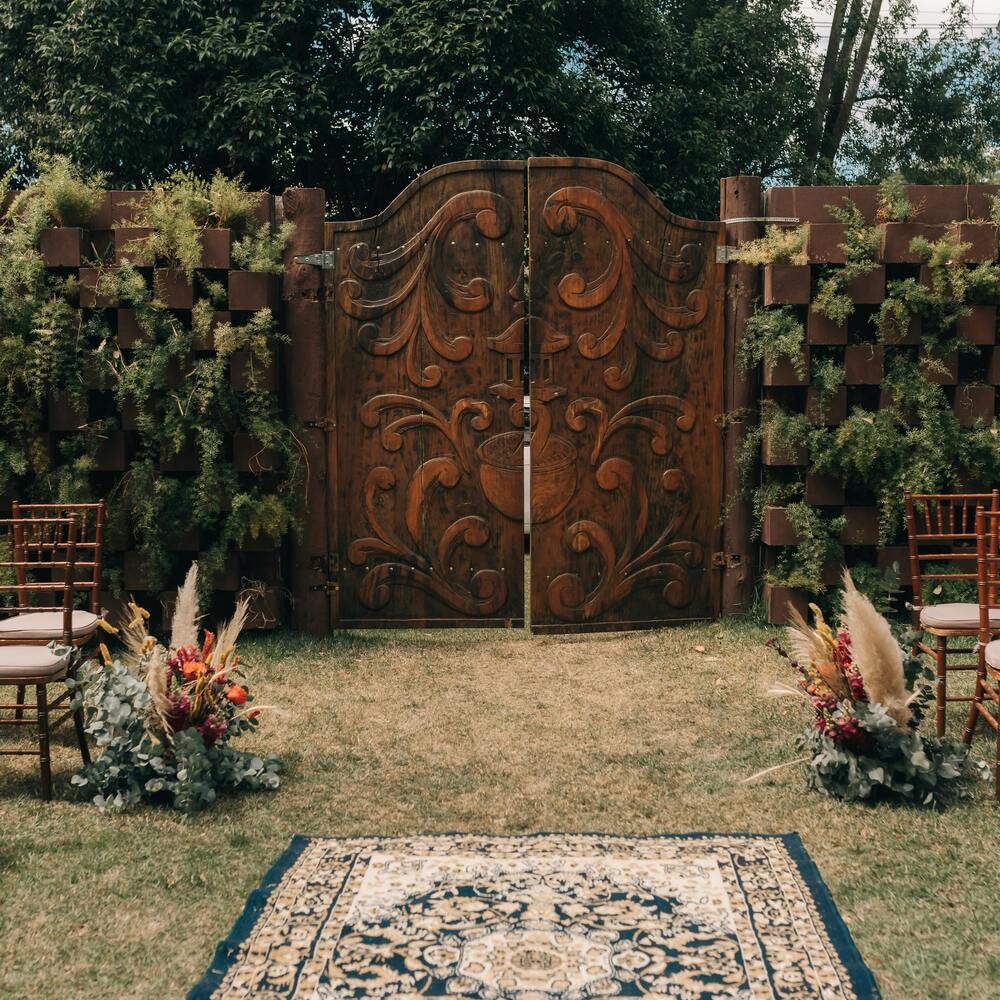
x=937, y=519
x=53, y=540
x=987, y=677
x=90, y=540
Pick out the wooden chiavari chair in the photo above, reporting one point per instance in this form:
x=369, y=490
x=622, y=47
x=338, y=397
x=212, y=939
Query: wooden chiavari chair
x=38, y=627
x=942, y=529
x=987, y=693
x=49, y=547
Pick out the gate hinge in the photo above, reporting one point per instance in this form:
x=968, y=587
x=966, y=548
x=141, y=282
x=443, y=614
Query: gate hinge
x=321, y=425
x=325, y=259
x=726, y=560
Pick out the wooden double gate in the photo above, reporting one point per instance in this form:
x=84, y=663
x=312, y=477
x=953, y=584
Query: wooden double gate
x=433, y=307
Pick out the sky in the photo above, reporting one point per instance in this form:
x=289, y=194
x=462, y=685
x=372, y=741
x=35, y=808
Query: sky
x=985, y=14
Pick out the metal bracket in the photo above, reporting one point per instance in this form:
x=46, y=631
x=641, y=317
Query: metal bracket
x=759, y=218
x=325, y=259
x=726, y=560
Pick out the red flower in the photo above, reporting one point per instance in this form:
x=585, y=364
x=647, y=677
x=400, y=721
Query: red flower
x=236, y=694
x=192, y=668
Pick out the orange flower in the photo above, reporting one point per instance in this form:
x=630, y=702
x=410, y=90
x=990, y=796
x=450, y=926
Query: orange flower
x=192, y=669
x=207, y=647
x=236, y=694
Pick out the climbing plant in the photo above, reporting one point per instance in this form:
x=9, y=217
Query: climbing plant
x=912, y=440
x=181, y=398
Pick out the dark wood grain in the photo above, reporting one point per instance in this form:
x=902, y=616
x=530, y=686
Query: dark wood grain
x=626, y=383
x=305, y=371
x=425, y=459
x=739, y=198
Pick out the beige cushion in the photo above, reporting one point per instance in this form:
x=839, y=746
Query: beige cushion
x=31, y=661
x=961, y=617
x=993, y=654
x=46, y=625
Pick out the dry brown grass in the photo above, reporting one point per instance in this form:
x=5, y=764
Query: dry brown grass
x=410, y=732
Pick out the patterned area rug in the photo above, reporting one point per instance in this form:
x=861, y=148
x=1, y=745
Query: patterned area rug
x=533, y=918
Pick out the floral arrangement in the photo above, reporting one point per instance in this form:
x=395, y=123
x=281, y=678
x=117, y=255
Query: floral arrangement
x=164, y=716
x=868, y=696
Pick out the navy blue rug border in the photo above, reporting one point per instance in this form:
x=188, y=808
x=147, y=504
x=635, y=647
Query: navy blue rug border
x=862, y=979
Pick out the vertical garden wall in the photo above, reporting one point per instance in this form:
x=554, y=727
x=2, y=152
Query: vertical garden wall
x=875, y=342
x=140, y=351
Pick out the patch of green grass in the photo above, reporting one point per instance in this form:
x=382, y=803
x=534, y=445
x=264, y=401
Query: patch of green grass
x=415, y=732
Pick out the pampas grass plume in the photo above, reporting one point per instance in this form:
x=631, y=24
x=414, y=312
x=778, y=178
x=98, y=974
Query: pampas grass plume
x=184, y=627
x=876, y=654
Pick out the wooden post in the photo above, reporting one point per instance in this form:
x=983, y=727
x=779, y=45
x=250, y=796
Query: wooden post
x=739, y=197
x=305, y=364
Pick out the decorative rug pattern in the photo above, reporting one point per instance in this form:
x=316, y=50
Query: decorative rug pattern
x=533, y=918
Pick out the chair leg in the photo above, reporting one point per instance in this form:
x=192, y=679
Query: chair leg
x=81, y=736
x=996, y=769
x=973, y=717
x=941, y=689
x=18, y=713
x=45, y=764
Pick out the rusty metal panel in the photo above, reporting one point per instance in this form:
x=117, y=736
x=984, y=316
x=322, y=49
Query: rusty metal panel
x=626, y=325
x=426, y=318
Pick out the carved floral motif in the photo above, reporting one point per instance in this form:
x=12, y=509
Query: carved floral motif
x=394, y=322
x=561, y=214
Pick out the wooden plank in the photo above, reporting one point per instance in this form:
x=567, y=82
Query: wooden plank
x=739, y=198
x=427, y=477
x=305, y=368
x=626, y=380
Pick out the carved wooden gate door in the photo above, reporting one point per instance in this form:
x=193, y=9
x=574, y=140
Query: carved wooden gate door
x=427, y=319
x=626, y=382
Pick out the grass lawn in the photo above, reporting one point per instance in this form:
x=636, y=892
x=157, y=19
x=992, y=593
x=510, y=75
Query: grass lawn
x=413, y=732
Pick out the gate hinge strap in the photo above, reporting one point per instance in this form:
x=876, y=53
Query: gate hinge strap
x=325, y=259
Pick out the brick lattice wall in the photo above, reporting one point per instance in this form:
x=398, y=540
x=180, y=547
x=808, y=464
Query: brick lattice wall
x=971, y=382
x=67, y=250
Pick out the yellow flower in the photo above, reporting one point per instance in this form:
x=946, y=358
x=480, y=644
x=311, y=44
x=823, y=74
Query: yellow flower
x=107, y=626
x=105, y=655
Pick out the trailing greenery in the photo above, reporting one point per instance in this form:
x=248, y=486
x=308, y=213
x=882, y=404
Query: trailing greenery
x=861, y=247
x=912, y=440
x=180, y=399
x=261, y=250
x=768, y=336
x=894, y=203
x=803, y=564
x=777, y=246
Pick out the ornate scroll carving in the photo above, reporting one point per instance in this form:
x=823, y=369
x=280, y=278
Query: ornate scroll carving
x=665, y=563
x=396, y=321
x=473, y=411
x=407, y=566
x=630, y=416
x=617, y=283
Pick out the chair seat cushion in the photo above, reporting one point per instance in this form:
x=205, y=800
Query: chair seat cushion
x=993, y=654
x=961, y=617
x=46, y=625
x=31, y=661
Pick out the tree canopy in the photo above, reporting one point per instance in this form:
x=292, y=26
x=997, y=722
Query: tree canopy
x=358, y=97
